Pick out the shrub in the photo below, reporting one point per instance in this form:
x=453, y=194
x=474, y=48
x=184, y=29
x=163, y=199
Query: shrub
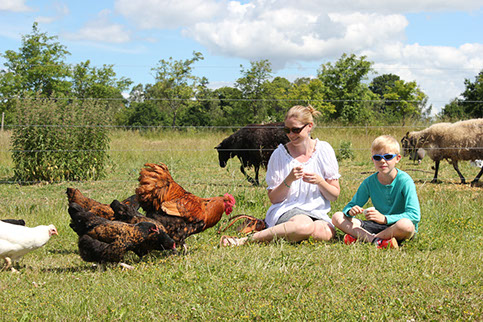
x=345, y=151
x=58, y=140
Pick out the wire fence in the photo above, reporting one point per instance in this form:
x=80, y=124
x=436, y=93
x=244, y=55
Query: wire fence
x=211, y=165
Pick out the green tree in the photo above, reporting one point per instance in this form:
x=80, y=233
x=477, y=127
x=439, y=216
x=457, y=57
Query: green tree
x=471, y=106
x=204, y=110
x=311, y=91
x=255, y=90
x=94, y=82
x=175, y=84
x=455, y=110
x=231, y=106
x=144, y=114
x=405, y=100
x=38, y=67
x=473, y=97
x=345, y=89
x=381, y=85
x=278, y=101
x=100, y=84
x=399, y=100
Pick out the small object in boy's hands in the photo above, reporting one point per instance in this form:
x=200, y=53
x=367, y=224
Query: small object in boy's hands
x=370, y=208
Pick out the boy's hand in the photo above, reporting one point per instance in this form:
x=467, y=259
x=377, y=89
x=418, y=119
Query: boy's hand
x=355, y=211
x=374, y=215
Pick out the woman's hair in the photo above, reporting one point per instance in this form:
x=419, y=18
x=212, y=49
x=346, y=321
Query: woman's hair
x=305, y=114
x=385, y=142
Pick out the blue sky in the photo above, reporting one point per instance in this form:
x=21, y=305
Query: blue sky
x=437, y=43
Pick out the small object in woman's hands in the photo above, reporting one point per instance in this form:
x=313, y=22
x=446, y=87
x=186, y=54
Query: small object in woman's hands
x=370, y=208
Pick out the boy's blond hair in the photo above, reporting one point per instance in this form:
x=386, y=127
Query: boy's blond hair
x=385, y=142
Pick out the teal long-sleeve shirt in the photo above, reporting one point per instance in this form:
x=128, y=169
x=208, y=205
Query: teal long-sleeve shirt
x=395, y=201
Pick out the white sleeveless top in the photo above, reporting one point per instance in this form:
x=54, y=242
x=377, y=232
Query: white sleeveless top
x=303, y=195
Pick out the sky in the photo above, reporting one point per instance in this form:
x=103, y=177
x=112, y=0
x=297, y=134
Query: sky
x=436, y=43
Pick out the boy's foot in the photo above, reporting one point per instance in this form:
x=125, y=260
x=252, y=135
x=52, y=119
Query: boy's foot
x=386, y=243
x=349, y=239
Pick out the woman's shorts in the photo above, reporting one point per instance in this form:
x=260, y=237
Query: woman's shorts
x=292, y=213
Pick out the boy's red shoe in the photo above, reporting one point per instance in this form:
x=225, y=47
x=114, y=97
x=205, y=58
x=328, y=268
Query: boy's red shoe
x=386, y=243
x=348, y=239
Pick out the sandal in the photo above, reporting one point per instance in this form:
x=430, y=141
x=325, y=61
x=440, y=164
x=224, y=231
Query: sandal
x=226, y=241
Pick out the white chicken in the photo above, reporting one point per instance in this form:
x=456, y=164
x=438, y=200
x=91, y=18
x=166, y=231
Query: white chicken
x=16, y=240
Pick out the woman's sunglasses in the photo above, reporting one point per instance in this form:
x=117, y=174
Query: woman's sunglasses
x=295, y=130
x=387, y=157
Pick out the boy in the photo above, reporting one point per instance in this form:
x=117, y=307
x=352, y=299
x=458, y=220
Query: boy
x=396, y=213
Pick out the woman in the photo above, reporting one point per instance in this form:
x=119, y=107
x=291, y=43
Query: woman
x=303, y=178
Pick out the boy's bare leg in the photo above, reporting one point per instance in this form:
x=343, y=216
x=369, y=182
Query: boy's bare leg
x=351, y=226
x=401, y=230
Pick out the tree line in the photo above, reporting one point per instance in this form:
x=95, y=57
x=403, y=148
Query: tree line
x=342, y=91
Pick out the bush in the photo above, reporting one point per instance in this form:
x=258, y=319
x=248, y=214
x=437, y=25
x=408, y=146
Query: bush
x=345, y=151
x=58, y=140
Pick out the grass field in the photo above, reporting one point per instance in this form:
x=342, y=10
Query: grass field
x=438, y=276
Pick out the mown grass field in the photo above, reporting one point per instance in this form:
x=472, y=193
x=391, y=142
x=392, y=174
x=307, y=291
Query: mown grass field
x=438, y=276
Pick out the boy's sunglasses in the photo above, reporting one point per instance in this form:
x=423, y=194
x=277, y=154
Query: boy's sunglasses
x=387, y=157
x=295, y=130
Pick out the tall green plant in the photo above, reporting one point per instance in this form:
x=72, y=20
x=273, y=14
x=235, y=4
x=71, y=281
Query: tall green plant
x=59, y=140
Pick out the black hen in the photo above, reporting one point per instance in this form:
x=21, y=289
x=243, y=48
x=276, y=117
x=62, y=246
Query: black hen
x=102, y=240
x=19, y=222
x=128, y=214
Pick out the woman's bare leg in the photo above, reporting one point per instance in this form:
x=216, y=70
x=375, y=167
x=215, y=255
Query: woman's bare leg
x=298, y=228
x=323, y=231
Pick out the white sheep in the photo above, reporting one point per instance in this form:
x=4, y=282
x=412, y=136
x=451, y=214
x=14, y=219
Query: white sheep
x=462, y=140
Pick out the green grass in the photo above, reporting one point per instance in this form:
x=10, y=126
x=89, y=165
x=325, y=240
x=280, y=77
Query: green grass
x=438, y=276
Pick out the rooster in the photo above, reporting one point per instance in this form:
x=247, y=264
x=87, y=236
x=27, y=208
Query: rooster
x=180, y=212
x=17, y=240
x=103, y=240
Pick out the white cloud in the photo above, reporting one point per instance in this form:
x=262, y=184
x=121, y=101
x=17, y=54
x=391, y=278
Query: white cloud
x=167, y=14
x=290, y=31
x=14, y=5
x=61, y=10
x=101, y=29
x=440, y=71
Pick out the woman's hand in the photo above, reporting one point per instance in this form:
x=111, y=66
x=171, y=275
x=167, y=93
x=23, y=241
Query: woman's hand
x=295, y=174
x=312, y=178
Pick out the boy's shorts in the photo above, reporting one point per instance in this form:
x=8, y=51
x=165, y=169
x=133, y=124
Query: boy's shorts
x=375, y=228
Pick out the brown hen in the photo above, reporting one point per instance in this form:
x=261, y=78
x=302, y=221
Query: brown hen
x=102, y=240
x=90, y=205
x=97, y=208
x=180, y=212
x=124, y=211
